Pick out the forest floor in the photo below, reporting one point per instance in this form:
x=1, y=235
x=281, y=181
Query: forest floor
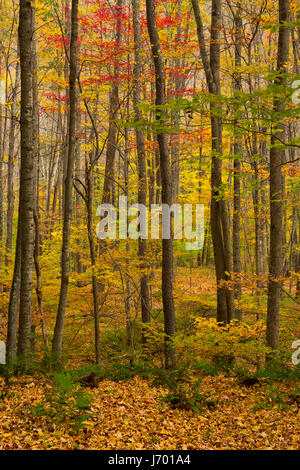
x=130, y=415
x=138, y=413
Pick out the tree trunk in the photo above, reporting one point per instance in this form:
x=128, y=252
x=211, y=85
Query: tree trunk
x=36, y=213
x=276, y=196
x=26, y=179
x=298, y=277
x=142, y=172
x=175, y=138
x=68, y=183
x=108, y=186
x=10, y=171
x=13, y=306
x=89, y=204
x=238, y=148
x=2, y=150
x=220, y=229
x=166, y=184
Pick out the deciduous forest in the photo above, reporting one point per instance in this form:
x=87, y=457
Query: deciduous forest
x=149, y=225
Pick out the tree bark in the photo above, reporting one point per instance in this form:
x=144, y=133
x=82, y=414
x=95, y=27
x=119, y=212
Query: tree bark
x=68, y=184
x=166, y=184
x=36, y=212
x=26, y=179
x=142, y=172
x=238, y=148
x=13, y=306
x=276, y=196
x=10, y=171
x=89, y=204
x=108, y=186
x=220, y=229
x=2, y=150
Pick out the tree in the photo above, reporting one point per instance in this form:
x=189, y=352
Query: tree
x=276, y=196
x=140, y=144
x=166, y=183
x=238, y=148
x=108, y=195
x=36, y=210
x=220, y=230
x=26, y=179
x=10, y=172
x=68, y=185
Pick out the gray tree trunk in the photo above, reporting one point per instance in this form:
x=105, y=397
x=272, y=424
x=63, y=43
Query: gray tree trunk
x=108, y=195
x=276, y=196
x=166, y=184
x=26, y=179
x=220, y=229
x=68, y=184
x=238, y=148
x=36, y=212
x=142, y=172
x=10, y=171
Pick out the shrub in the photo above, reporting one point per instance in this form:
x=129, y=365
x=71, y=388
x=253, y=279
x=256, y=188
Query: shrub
x=223, y=344
x=182, y=393
x=66, y=401
x=206, y=368
x=187, y=396
x=273, y=398
x=278, y=371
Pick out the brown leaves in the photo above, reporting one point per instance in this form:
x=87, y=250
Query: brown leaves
x=130, y=415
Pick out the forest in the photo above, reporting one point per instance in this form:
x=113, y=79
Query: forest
x=149, y=225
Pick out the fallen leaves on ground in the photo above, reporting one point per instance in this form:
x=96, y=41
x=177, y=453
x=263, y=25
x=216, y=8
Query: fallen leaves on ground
x=130, y=415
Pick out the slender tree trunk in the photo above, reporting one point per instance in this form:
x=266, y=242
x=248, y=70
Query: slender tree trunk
x=66, y=120
x=77, y=202
x=220, y=229
x=175, y=138
x=298, y=278
x=238, y=148
x=257, y=214
x=166, y=184
x=151, y=174
x=68, y=183
x=263, y=216
x=276, y=196
x=26, y=179
x=129, y=321
x=142, y=172
x=10, y=172
x=2, y=150
x=36, y=212
x=89, y=203
x=13, y=306
x=108, y=186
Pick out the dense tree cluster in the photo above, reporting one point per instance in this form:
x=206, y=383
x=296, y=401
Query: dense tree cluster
x=162, y=102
